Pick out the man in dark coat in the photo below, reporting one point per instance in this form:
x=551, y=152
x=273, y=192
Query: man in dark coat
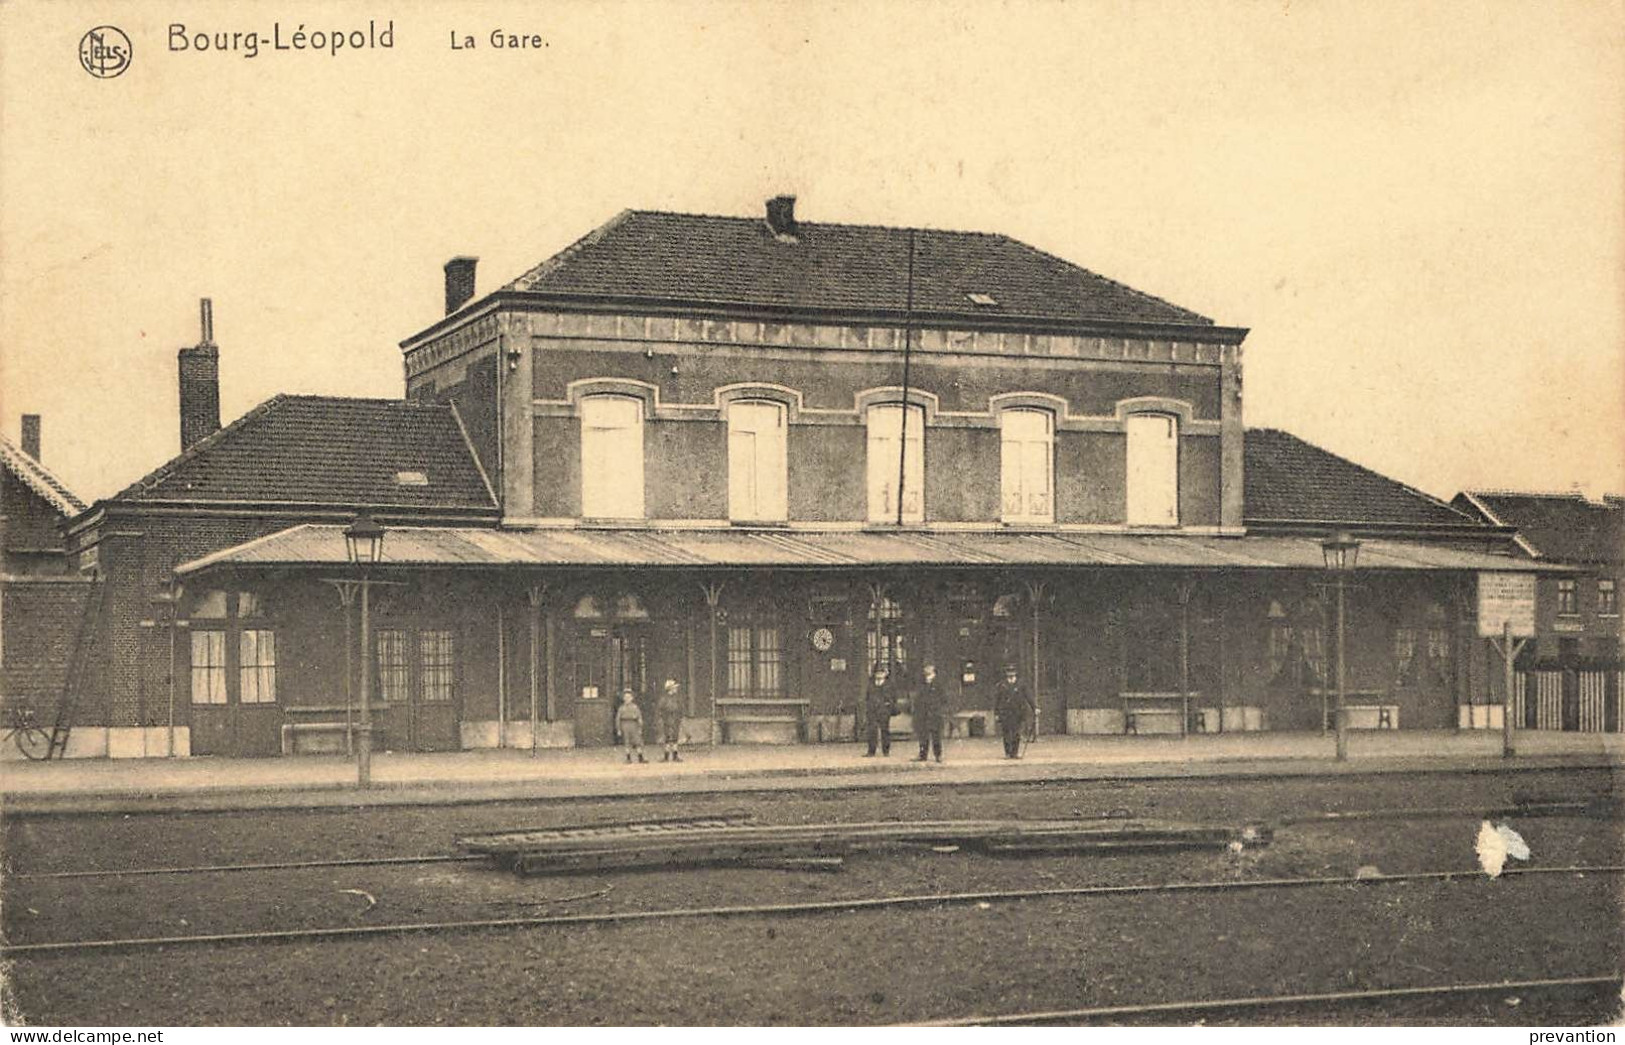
x=879, y=705
x=1012, y=706
x=929, y=705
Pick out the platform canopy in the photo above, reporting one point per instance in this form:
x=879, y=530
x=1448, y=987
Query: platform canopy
x=322, y=545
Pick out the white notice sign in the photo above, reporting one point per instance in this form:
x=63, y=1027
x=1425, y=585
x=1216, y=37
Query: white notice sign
x=1505, y=598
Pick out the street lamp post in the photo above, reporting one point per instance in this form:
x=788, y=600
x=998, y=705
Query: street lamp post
x=364, y=543
x=1341, y=551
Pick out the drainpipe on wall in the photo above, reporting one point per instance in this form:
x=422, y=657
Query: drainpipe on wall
x=502, y=680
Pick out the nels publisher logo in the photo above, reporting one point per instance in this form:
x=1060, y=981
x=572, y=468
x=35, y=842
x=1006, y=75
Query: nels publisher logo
x=105, y=52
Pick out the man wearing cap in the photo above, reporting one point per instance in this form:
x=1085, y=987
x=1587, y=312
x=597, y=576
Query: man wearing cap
x=1012, y=706
x=928, y=708
x=669, y=710
x=879, y=705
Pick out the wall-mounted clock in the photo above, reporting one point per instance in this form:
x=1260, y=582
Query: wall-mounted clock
x=823, y=639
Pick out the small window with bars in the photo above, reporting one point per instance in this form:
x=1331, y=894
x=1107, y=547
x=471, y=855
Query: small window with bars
x=755, y=661
x=394, y=673
x=1607, y=597
x=438, y=664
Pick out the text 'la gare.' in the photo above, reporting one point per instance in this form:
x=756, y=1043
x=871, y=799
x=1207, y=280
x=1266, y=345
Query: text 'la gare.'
x=498, y=39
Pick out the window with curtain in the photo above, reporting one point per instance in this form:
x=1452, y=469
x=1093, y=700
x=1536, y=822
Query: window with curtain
x=1027, y=466
x=884, y=452
x=208, y=667
x=611, y=457
x=1153, y=470
x=757, y=462
x=1405, y=656
x=256, y=666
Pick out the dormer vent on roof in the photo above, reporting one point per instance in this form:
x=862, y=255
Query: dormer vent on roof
x=781, y=218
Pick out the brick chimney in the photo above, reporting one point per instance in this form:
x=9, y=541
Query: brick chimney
x=31, y=435
x=459, y=282
x=200, y=383
x=781, y=217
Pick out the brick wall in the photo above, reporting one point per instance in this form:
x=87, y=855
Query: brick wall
x=41, y=619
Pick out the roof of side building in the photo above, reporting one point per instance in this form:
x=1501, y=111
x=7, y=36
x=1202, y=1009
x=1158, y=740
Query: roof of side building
x=1562, y=526
x=327, y=450
x=39, y=478
x=1290, y=480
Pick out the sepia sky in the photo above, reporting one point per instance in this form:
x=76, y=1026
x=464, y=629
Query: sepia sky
x=1416, y=208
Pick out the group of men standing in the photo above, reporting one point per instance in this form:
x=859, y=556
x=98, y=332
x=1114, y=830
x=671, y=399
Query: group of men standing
x=1013, y=708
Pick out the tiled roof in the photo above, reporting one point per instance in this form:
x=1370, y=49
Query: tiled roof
x=695, y=259
x=1565, y=527
x=330, y=451
x=38, y=478
x=1290, y=480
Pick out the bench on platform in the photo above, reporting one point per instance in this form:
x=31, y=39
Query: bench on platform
x=762, y=720
x=1371, y=716
x=1147, y=709
x=1365, y=708
x=970, y=724
x=324, y=733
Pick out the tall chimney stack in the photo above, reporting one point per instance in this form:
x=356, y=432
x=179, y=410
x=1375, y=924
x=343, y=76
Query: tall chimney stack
x=459, y=282
x=200, y=383
x=31, y=435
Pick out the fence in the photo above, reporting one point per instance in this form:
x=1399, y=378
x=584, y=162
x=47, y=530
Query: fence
x=1576, y=700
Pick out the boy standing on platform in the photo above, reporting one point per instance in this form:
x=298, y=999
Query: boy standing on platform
x=669, y=711
x=629, y=720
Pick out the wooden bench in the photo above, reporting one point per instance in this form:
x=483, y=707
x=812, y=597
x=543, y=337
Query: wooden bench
x=965, y=723
x=762, y=711
x=1371, y=716
x=1142, y=708
x=1372, y=712
x=328, y=725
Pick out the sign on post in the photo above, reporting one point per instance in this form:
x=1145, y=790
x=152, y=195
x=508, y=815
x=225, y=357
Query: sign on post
x=1506, y=609
x=1506, y=599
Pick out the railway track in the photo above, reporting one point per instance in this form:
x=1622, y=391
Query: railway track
x=1588, y=808
x=1220, y=1006
x=276, y=936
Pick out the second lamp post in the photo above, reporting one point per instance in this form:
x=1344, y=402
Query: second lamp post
x=1341, y=551
x=364, y=543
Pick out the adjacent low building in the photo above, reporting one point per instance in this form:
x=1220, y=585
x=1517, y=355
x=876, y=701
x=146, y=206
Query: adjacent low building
x=1571, y=670
x=44, y=601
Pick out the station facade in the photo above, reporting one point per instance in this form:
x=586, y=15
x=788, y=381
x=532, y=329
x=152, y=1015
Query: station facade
x=759, y=457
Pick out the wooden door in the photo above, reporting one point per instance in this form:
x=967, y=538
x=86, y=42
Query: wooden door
x=432, y=704
x=591, y=687
x=234, y=707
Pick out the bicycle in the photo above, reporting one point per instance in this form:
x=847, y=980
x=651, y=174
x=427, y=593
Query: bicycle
x=33, y=741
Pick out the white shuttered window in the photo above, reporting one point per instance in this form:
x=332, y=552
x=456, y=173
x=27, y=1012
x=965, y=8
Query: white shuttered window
x=757, y=463
x=1027, y=466
x=885, y=436
x=1153, y=470
x=611, y=457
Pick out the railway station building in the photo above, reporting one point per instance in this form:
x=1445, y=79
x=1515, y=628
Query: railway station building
x=760, y=456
